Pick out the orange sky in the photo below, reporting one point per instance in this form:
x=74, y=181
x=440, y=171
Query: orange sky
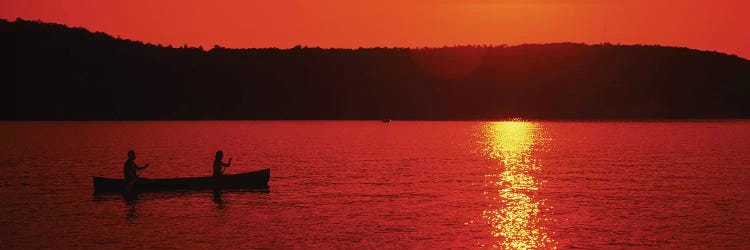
x=721, y=25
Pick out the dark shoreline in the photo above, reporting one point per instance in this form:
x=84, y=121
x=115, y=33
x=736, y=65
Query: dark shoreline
x=60, y=73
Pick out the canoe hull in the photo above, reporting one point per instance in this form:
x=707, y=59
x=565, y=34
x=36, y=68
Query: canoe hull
x=250, y=180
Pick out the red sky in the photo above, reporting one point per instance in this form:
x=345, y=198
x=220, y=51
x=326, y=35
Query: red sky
x=721, y=25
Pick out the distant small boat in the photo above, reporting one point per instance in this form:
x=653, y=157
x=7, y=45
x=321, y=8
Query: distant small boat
x=386, y=120
x=249, y=180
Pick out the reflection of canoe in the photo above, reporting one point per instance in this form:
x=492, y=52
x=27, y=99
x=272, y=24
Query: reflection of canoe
x=250, y=180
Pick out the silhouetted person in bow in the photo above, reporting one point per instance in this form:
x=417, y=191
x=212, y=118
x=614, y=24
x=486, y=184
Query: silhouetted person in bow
x=219, y=165
x=129, y=171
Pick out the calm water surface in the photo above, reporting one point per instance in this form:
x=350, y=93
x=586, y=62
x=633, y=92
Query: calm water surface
x=362, y=184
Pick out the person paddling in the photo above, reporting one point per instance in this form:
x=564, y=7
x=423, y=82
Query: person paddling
x=219, y=165
x=129, y=171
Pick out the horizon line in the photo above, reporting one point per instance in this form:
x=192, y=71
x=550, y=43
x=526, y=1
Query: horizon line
x=305, y=46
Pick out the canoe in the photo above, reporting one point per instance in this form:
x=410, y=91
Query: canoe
x=249, y=180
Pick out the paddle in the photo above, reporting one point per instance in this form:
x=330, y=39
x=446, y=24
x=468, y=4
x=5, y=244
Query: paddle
x=129, y=186
x=225, y=167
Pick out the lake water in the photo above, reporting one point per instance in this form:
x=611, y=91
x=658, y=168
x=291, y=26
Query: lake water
x=367, y=184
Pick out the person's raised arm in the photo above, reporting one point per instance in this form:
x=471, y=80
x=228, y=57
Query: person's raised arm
x=228, y=163
x=141, y=168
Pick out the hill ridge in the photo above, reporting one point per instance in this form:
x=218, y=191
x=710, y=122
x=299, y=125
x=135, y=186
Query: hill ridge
x=54, y=72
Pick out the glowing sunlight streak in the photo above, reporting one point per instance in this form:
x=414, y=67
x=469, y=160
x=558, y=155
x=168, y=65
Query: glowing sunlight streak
x=514, y=213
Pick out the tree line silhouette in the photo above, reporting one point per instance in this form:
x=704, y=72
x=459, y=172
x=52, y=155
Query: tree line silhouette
x=53, y=72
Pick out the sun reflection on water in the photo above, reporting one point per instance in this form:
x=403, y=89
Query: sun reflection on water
x=514, y=213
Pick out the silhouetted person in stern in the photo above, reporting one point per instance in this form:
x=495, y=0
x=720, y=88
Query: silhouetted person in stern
x=129, y=171
x=219, y=165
